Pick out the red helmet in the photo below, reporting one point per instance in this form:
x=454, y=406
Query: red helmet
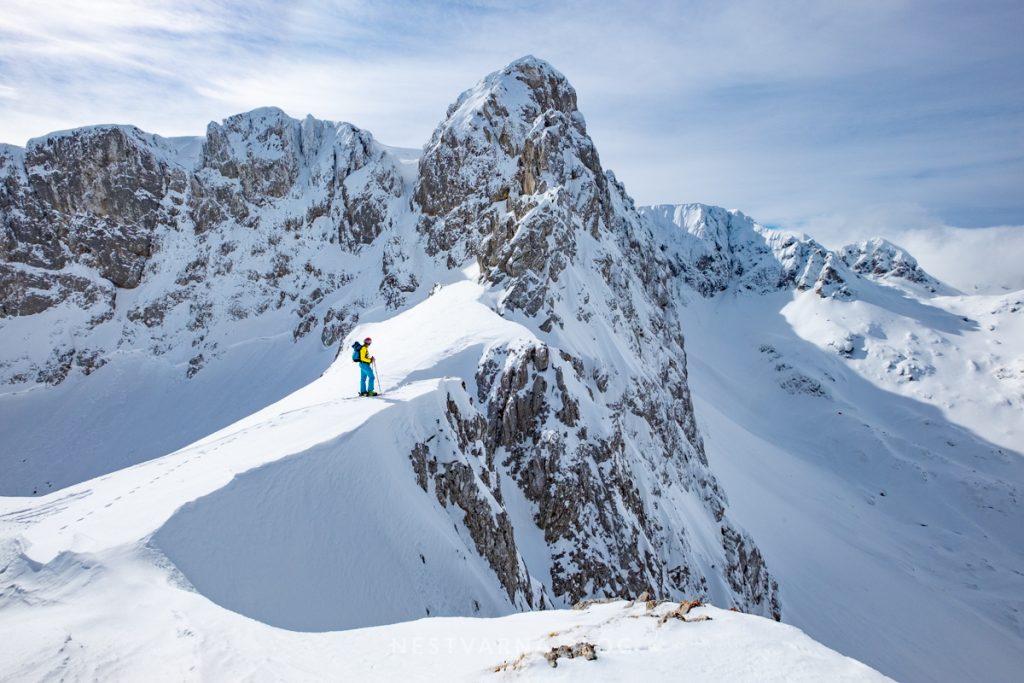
x=367, y=340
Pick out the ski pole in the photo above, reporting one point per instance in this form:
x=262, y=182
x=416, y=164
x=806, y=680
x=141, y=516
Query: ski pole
x=380, y=384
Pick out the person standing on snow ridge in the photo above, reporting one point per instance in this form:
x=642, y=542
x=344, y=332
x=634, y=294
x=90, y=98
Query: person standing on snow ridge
x=366, y=377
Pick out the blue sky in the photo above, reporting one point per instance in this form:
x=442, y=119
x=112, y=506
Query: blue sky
x=833, y=117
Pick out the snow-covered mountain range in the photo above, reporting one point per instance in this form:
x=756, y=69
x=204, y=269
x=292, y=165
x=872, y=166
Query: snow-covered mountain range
x=583, y=398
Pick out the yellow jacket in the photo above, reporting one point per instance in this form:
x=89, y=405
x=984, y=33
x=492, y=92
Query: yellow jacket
x=364, y=354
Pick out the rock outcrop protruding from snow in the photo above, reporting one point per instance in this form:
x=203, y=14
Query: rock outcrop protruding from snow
x=94, y=196
x=509, y=177
x=457, y=471
x=882, y=260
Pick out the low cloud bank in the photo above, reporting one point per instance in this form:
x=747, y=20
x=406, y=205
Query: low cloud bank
x=974, y=260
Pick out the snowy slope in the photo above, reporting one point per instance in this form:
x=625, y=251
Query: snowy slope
x=177, y=635
x=900, y=533
x=241, y=536
x=871, y=439
x=307, y=517
x=896, y=326
x=960, y=354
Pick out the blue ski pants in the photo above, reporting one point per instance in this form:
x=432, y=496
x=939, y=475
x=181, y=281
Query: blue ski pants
x=365, y=376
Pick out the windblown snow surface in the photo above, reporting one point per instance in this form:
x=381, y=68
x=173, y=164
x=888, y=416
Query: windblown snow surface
x=95, y=580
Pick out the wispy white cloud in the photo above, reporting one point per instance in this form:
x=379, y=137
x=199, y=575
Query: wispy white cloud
x=792, y=111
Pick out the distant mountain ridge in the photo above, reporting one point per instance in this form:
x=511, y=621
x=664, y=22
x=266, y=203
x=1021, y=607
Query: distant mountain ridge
x=715, y=250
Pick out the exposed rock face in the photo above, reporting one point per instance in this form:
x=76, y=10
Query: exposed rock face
x=78, y=216
x=266, y=213
x=747, y=573
x=27, y=291
x=518, y=132
x=253, y=159
x=261, y=150
x=610, y=534
x=95, y=196
x=454, y=468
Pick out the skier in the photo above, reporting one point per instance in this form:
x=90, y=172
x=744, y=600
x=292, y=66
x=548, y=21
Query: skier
x=361, y=355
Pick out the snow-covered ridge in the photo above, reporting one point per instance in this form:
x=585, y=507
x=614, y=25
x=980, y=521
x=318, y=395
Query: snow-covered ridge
x=715, y=250
x=122, y=204
x=170, y=147
x=180, y=636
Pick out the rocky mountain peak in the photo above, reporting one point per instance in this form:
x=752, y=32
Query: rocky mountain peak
x=545, y=86
x=508, y=175
x=714, y=250
x=512, y=179
x=521, y=91
x=93, y=195
x=880, y=259
x=100, y=171
x=261, y=149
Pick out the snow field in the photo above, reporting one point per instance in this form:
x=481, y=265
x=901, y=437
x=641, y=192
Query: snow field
x=900, y=533
x=171, y=633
